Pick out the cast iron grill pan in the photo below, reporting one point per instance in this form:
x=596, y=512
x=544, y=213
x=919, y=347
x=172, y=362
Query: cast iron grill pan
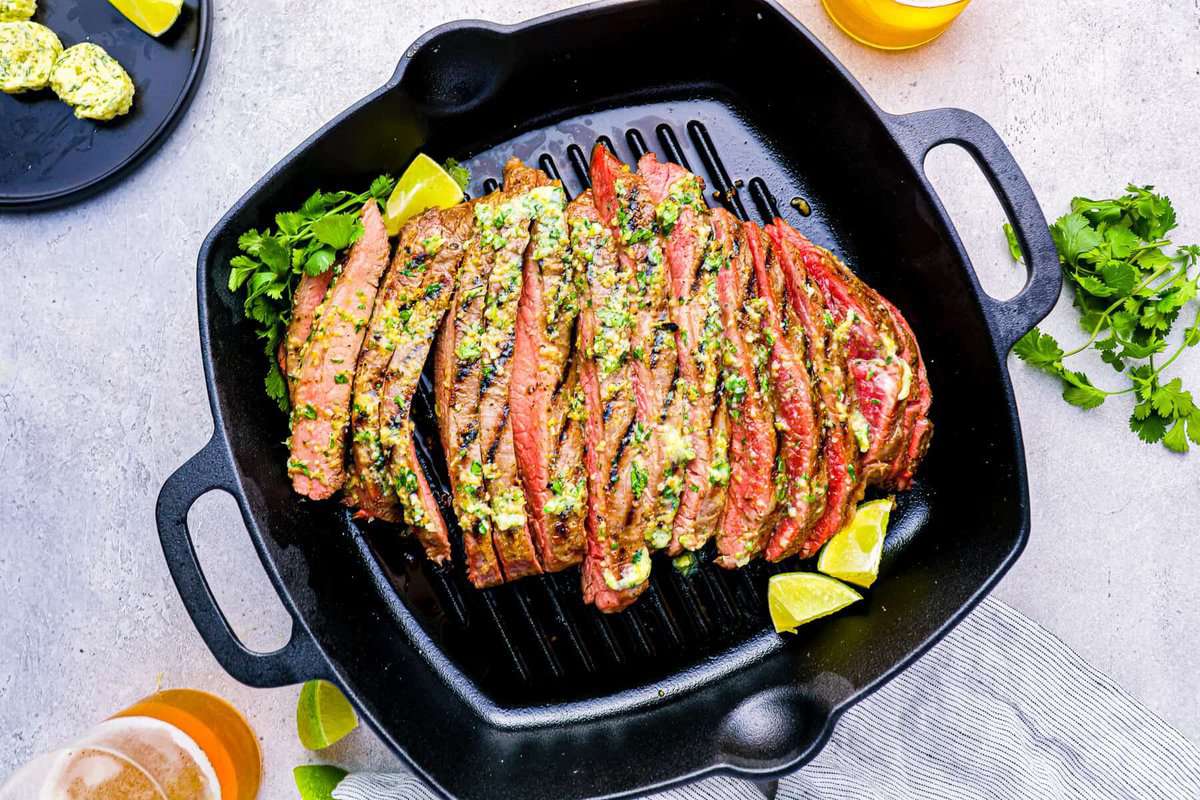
x=523, y=689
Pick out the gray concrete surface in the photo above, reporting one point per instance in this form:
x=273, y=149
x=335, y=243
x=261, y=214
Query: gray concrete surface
x=101, y=391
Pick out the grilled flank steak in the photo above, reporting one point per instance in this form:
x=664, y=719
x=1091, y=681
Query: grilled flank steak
x=625, y=372
x=321, y=395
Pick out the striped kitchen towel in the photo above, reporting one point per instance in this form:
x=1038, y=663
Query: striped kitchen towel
x=998, y=709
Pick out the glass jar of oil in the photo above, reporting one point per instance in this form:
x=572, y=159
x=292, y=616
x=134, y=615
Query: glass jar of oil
x=894, y=24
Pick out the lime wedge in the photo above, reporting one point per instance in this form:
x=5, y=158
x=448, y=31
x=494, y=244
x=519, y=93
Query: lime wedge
x=795, y=598
x=323, y=715
x=423, y=185
x=155, y=17
x=853, y=554
x=317, y=781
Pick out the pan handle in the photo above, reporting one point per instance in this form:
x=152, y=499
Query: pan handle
x=296, y=661
x=920, y=132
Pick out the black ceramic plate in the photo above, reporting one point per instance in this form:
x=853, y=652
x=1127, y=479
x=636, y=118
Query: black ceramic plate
x=47, y=156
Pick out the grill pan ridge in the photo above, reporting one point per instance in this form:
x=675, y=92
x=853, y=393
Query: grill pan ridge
x=523, y=687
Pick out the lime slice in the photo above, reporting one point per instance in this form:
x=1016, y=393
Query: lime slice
x=155, y=17
x=423, y=185
x=795, y=598
x=317, y=781
x=853, y=554
x=323, y=715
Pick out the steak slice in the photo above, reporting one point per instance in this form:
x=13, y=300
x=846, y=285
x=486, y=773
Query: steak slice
x=748, y=516
x=545, y=330
x=505, y=230
x=427, y=274
x=398, y=302
x=796, y=410
x=656, y=452
x=683, y=219
x=310, y=293
x=456, y=386
x=835, y=388
x=566, y=507
x=616, y=561
x=916, y=427
x=321, y=411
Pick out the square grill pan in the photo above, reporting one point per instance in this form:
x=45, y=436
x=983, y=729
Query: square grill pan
x=522, y=690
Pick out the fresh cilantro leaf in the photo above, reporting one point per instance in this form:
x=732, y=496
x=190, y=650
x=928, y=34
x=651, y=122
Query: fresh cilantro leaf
x=1171, y=400
x=1094, y=286
x=1175, y=439
x=337, y=230
x=289, y=222
x=1193, y=426
x=1121, y=242
x=1074, y=236
x=1149, y=428
x=319, y=260
x=1119, y=276
x=461, y=175
x=1014, y=247
x=381, y=188
x=1038, y=349
x=1079, y=391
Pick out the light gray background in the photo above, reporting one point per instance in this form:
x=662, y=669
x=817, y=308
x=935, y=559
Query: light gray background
x=102, y=394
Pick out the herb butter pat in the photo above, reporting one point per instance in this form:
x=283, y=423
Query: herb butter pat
x=27, y=55
x=92, y=82
x=14, y=10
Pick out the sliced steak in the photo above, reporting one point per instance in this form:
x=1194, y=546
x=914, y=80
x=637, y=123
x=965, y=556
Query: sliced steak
x=427, y=276
x=916, y=427
x=321, y=411
x=616, y=561
x=456, y=386
x=827, y=353
x=310, y=293
x=749, y=512
x=538, y=396
x=505, y=230
x=657, y=452
x=796, y=405
x=566, y=506
x=683, y=220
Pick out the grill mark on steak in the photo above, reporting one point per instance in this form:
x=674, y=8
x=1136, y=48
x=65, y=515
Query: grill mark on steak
x=321, y=412
x=611, y=577
x=506, y=230
x=544, y=331
x=746, y=520
x=795, y=402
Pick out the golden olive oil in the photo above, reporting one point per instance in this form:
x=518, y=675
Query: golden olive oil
x=894, y=24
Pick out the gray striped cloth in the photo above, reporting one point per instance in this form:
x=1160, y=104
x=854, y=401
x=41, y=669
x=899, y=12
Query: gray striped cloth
x=999, y=709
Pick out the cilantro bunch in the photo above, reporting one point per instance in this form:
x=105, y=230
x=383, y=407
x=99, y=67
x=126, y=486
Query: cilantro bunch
x=1130, y=293
x=305, y=241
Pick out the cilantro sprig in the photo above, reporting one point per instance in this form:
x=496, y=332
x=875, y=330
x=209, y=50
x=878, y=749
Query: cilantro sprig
x=305, y=241
x=1130, y=293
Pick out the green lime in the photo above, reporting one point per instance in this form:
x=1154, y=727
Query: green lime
x=323, y=715
x=155, y=17
x=317, y=781
x=423, y=185
x=853, y=554
x=795, y=598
